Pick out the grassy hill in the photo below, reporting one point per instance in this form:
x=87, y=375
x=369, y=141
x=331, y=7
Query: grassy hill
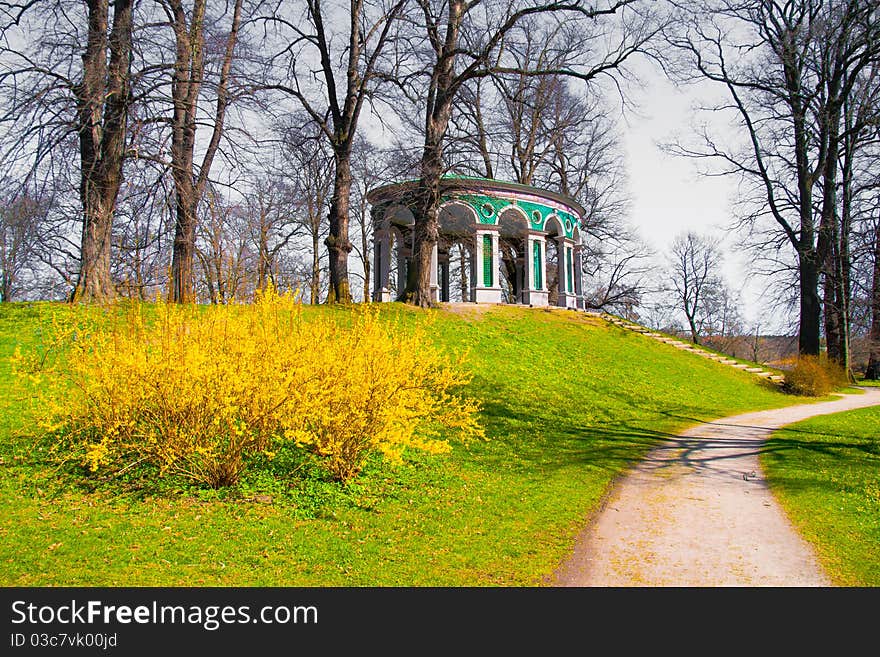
x=569, y=402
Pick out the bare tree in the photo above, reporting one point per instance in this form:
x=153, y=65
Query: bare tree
x=334, y=96
x=223, y=250
x=51, y=94
x=270, y=207
x=786, y=69
x=305, y=156
x=620, y=272
x=872, y=370
x=20, y=219
x=694, y=261
x=848, y=47
x=189, y=73
x=372, y=167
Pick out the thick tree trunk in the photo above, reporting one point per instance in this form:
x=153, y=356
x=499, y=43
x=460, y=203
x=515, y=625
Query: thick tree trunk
x=695, y=335
x=810, y=308
x=337, y=242
x=185, y=88
x=182, y=271
x=829, y=236
x=426, y=233
x=426, y=230
x=844, y=261
x=102, y=104
x=94, y=282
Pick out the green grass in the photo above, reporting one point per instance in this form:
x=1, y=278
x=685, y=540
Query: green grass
x=826, y=473
x=569, y=402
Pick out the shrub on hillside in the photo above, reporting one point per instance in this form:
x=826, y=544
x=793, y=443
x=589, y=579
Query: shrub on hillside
x=813, y=376
x=197, y=390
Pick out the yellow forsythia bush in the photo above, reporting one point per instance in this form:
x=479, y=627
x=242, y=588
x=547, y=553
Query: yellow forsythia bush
x=196, y=390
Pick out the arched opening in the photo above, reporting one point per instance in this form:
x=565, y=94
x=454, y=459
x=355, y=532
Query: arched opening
x=512, y=240
x=455, y=252
x=396, y=274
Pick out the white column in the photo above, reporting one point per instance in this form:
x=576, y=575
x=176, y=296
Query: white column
x=486, y=290
x=496, y=262
x=579, y=276
x=535, y=293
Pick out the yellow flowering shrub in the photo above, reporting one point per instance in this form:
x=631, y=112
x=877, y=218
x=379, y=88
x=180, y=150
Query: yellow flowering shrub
x=196, y=390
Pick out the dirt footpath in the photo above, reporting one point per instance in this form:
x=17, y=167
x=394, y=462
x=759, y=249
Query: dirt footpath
x=697, y=512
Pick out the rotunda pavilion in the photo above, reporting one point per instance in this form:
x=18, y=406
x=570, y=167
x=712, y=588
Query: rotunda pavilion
x=514, y=243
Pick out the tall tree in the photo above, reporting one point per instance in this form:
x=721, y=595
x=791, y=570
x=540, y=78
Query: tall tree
x=335, y=96
x=102, y=99
x=71, y=78
x=188, y=78
x=848, y=44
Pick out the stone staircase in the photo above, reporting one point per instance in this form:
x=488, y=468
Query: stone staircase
x=777, y=379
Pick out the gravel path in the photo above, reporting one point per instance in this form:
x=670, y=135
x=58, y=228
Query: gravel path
x=697, y=512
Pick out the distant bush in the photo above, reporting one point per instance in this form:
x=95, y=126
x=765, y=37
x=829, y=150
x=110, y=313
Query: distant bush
x=814, y=376
x=197, y=390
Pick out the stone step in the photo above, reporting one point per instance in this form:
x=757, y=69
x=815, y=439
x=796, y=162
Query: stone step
x=687, y=346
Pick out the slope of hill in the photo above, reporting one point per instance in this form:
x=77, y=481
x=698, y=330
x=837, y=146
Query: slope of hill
x=569, y=402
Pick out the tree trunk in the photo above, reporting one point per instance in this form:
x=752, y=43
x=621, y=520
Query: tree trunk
x=182, y=271
x=426, y=230
x=315, y=279
x=844, y=261
x=189, y=72
x=365, y=250
x=695, y=335
x=263, y=257
x=829, y=233
x=102, y=107
x=185, y=88
x=337, y=242
x=873, y=370
x=94, y=282
x=810, y=308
